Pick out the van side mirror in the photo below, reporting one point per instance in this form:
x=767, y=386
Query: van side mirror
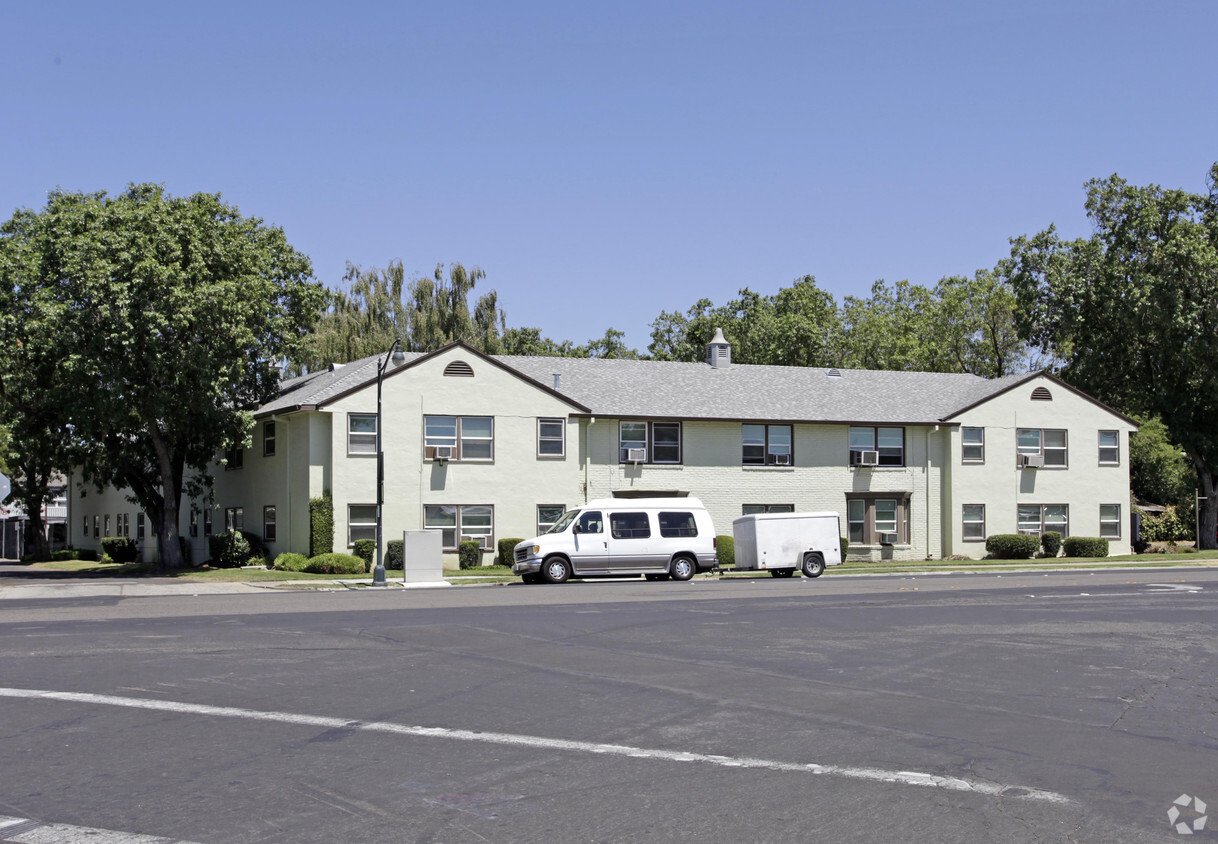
x=575, y=529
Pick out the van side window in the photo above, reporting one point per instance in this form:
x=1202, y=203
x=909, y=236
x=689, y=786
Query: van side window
x=678, y=524
x=629, y=525
x=591, y=522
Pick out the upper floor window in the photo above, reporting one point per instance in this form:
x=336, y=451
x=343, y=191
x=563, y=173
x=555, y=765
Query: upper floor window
x=1047, y=443
x=877, y=446
x=1110, y=448
x=459, y=437
x=234, y=458
x=649, y=442
x=551, y=438
x=766, y=445
x=750, y=509
x=361, y=433
x=268, y=439
x=972, y=445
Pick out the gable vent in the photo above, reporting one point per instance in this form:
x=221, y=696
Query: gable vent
x=834, y=373
x=1042, y=394
x=459, y=369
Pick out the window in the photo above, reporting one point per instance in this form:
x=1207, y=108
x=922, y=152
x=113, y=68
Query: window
x=234, y=458
x=677, y=524
x=974, y=523
x=551, y=438
x=361, y=522
x=886, y=444
x=139, y=526
x=194, y=522
x=361, y=433
x=590, y=522
x=234, y=518
x=1110, y=521
x=972, y=445
x=467, y=437
x=750, y=509
x=659, y=442
x=766, y=445
x=107, y=533
x=96, y=528
x=461, y=522
x=207, y=522
x=268, y=523
x=868, y=515
x=1049, y=443
x=126, y=524
x=1110, y=448
x=1038, y=518
x=629, y=526
x=548, y=516
x=86, y=527
x=268, y=439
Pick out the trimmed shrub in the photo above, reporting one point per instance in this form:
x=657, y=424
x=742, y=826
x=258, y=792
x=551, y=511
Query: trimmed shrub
x=395, y=554
x=365, y=549
x=507, y=551
x=845, y=543
x=229, y=550
x=725, y=550
x=106, y=560
x=1012, y=546
x=1085, y=546
x=321, y=526
x=1051, y=541
x=335, y=564
x=121, y=549
x=291, y=562
x=469, y=554
x=87, y=554
x=70, y=554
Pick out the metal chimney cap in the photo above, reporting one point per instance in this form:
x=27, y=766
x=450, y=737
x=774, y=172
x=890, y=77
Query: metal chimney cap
x=719, y=338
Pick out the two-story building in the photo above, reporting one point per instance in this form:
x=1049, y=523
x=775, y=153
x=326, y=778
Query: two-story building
x=918, y=465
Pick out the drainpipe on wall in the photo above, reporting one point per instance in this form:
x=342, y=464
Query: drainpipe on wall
x=587, y=453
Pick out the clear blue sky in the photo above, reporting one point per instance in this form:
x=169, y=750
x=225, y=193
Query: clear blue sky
x=603, y=162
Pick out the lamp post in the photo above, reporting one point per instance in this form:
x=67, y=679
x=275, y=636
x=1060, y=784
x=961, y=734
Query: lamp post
x=396, y=356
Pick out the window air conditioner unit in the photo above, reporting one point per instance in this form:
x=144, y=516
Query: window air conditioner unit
x=865, y=458
x=443, y=452
x=636, y=455
x=782, y=460
x=888, y=539
x=1030, y=461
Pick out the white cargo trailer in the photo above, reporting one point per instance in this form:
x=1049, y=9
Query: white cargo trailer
x=783, y=543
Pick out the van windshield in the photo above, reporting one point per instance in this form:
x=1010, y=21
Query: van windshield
x=563, y=523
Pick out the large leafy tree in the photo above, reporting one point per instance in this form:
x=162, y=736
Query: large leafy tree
x=1132, y=311
x=168, y=317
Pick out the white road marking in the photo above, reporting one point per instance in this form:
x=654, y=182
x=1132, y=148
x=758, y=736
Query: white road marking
x=516, y=740
x=26, y=831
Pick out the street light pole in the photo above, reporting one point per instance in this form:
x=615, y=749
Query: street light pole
x=396, y=355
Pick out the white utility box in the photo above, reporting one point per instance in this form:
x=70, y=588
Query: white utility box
x=423, y=553
x=783, y=543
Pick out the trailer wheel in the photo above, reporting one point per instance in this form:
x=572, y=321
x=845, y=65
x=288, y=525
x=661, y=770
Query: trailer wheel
x=814, y=565
x=555, y=570
x=682, y=568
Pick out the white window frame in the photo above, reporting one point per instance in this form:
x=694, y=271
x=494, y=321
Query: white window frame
x=452, y=535
x=459, y=440
x=361, y=443
x=750, y=509
x=1113, y=523
x=234, y=518
x=1113, y=448
x=363, y=526
x=140, y=526
x=555, y=438
x=977, y=455
x=1037, y=526
x=624, y=445
x=976, y=517
x=268, y=439
x=269, y=531
x=544, y=525
x=1042, y=448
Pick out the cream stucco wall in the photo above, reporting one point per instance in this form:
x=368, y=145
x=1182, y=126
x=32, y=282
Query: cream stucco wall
x=998, y=484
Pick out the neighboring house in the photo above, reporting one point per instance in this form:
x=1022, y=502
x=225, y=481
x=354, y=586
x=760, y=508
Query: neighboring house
x=917, y=464
x=15, y=537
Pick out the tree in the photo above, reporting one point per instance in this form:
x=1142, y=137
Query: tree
x=1132, y=312
x=1159, y=472
x=168, y=316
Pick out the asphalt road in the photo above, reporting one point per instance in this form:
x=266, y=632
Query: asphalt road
x=1060, y=707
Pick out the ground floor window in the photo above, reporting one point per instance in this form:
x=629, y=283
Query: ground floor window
x=268, y=523
x=107, y=524
x=207, y=522
x=96, y=529
x=750, y=509
x=1110, y=521
x=139, y=526
x=1040, y=518
x=548, y=515
x=973, y=518
x=361, y=523
x=458, y=522
x=126, y=517
x=234, y=518
x=878, y=518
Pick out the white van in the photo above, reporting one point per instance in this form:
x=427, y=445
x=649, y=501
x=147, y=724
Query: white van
x=660, y=538
x=783, y=543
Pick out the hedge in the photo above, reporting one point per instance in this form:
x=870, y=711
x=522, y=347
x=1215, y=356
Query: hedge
x=395, y=554
x=321, y=526
x=725, y=550
x=1012, y=546
x=335, y=564
x=469, y=554
x=1051, y=541
x=291, y=562
x=845, y=543
x=507, y=551
x=229, y=550
x=1085, y=546
x=121, y=549
x=365, y=549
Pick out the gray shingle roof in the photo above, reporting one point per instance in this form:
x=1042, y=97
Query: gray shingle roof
x=663, y=389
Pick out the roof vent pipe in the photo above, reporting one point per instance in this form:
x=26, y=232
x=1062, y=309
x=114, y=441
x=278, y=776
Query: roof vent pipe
x=557, y=377
x=719, y=351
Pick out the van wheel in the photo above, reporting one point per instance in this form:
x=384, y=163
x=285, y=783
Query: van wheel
x=555, y=570
x=683, y=568
x=814, y=565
